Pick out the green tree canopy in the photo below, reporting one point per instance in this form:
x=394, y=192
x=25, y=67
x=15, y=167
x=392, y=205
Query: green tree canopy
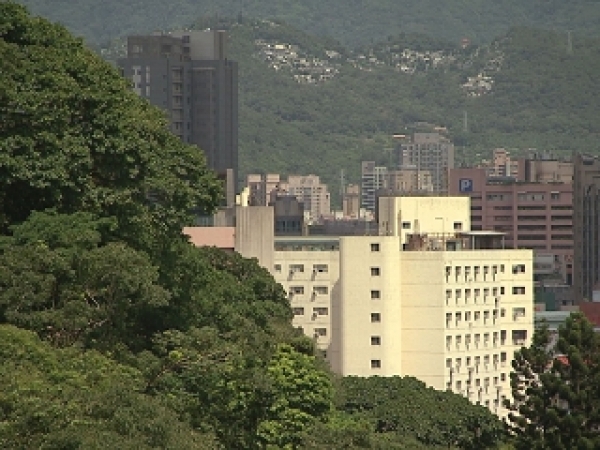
x=556, y=402
x=74, y=137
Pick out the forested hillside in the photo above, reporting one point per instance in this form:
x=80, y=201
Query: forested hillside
x=355, y=22
x=543, y=95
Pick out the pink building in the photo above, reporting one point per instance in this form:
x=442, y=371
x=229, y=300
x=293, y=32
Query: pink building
x=533, y=214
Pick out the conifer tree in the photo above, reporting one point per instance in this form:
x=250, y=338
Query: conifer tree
x=556, y=399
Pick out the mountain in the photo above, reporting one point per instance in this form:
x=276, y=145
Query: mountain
x=527, y=89
x=353, y=22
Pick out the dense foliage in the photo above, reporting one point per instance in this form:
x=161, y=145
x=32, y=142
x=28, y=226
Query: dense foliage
x=555, y=388
x=352, y=22
x=114, y=328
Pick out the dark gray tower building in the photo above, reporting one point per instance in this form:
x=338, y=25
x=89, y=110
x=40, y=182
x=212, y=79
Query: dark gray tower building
x=586, y=227
x=188, y=75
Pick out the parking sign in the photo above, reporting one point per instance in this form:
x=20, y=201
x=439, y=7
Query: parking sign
x=465, y=185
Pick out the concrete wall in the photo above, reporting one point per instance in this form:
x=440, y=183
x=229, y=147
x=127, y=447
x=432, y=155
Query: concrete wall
x=254, y=234
x=399, y=216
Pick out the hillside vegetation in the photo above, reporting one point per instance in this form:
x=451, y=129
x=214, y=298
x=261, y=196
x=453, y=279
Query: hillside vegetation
x=543, y=96
x=353, y=22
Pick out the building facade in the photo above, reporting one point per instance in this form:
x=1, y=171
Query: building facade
x=534, y=213
x=451, y=318
x=373, y=178
x=586, y=227
x=188, y=75
x=431, y=152
x=308, y=269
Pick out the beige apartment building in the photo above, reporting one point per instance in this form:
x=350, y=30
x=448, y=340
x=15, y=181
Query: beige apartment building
x=450, y=310
x=427, y=298
x=308, y=269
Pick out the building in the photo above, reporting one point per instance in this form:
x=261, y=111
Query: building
x=288, y=214
x=308, y=269
x=373, y=178
x=189, y=76
x=431, y=152
x=310, y=191
x=434, y=300
x=586, y=227
x=351, y=201
x=534, y=208
x=450, y=311
x=403, y=216
x=260, y=187
x=409, y=179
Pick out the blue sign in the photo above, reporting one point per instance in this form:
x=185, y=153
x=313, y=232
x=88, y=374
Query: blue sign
x=465, y=185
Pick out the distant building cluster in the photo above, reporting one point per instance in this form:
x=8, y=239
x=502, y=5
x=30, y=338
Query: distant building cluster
x=304, y=68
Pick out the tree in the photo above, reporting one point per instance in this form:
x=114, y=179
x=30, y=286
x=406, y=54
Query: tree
x=555, y=389
x=58, y=279
x=404, y=408
x=300, y=395
x=65, y=398
x=75, y=137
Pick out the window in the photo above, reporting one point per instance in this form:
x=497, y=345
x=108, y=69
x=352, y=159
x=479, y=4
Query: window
x=298, y=311
x=406, y=225
x=320, y=290
x=320, y=332
x=320, y=268
x=375, y=340
x=296, y=268
x=278, y=268
x=375, y=272
x=448, y=342
x=375, y=364
x=321, y=311
x=374, y=247
x=519, y=268
x=294, y=290
x=518, y=312
x=518, y=290
x=375, y=295
x=449, y=363
x=375, y=317
x=457, y=226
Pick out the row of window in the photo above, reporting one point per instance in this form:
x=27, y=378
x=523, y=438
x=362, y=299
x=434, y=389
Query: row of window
x=523, y=196
x=299, y=268
x=473, y=363
x=318, y=311
x=299, y=290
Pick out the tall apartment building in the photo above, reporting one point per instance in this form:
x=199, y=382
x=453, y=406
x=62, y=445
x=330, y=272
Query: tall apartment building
x=586, y=227
x=189, y=76
x=534, y=208
x=432, y=152
x=373, y=178
x=449, y=310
